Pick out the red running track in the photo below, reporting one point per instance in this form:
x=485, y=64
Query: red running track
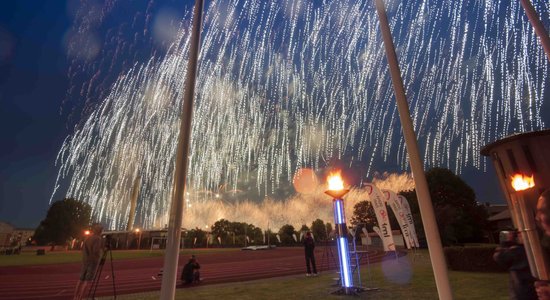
x=140, y=275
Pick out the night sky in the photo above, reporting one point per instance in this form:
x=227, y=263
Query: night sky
x=34, y=120
x=33, y=83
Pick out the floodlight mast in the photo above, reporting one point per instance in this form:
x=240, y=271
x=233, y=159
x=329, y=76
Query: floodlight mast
x=168, y=287
x=535, y=21
x=422, y=192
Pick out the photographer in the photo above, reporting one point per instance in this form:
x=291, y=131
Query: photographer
x=543, y=220
x=511, y=254
x=91, y=254
x=190, y=273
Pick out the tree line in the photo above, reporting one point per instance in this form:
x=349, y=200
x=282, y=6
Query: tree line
x=460, y=219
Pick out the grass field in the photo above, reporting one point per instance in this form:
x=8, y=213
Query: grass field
x=59, y=257
x=410, y=277
x=402, y=279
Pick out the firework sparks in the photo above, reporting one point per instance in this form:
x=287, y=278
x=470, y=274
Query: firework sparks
x=286, y=85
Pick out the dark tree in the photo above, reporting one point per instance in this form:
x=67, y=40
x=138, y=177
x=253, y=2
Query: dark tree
x=256, y=235
x=286, y=233
x=363, y=213
x=329, y=229
x=66, y=219
x=236, y=232
x=319, y=230
x=247, y=231
x=459, y=217
x=271, y=237
x=223, y=229
x=191, y=235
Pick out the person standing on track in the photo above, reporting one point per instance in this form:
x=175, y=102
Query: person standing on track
x=91, y=254
x=309, y=247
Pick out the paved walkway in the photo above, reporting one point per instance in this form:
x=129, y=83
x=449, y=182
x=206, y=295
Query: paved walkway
x=140, y=275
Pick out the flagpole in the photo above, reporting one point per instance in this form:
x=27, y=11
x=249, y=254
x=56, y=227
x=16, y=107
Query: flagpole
x=169, y=278
x=133, y=203
x=422, y=192
x=537, y=25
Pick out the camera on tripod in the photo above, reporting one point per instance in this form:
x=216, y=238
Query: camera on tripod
x=508, y=238
x=108, y=241
x=97, y=276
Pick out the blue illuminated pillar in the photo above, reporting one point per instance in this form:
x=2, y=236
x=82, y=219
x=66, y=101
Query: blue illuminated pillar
x=342, y=243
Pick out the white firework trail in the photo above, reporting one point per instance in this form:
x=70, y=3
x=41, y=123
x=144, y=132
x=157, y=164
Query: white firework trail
x=284, y=85
x=300, y=209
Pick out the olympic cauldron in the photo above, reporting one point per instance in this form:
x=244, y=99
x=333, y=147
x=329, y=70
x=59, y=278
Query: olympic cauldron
x=522, y=165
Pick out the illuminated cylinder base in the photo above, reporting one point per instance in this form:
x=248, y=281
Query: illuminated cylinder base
x=342, y=244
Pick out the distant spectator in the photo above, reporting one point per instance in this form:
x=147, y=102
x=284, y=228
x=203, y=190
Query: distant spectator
x=309, y=247
x=91, y=254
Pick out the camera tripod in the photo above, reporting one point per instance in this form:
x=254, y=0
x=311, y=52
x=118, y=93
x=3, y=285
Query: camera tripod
x=97, y=276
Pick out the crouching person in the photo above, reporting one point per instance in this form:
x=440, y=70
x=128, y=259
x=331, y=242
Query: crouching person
x=190, y=273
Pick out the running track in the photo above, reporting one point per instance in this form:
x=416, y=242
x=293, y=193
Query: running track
x=140, y=275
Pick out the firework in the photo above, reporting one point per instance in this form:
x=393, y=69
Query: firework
x=286, y=85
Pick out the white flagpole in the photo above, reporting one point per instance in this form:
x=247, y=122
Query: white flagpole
x=407, y=209
x=422, y=192
x=168, y=287
x=133, y=203
x=391, y=199
x=537, y=25
x=379, y=205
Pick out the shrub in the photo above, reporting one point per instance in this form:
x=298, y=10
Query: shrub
x=472, y=259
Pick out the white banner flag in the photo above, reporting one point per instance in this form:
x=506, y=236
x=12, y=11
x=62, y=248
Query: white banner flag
x=379, y=205
x=398, y=211
x=407, y=210
x=352, y=231
x=366, y=233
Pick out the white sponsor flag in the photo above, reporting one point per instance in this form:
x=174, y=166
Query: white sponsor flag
x=407, y=210
x=379, y=205
x=368, y=239
x=398, y=211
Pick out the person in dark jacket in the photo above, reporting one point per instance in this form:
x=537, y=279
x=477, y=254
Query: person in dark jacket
x=190, y=273
x=543, y=219
x=511, y=254
x=309, y=247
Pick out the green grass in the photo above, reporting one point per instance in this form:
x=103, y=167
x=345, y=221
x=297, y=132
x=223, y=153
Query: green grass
x=60, y=257
x=392, y=285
